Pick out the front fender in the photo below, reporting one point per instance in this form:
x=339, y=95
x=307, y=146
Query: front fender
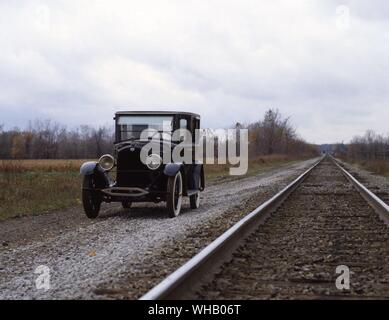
x=92, y=172
x=88, y=168
x=171, y=169
x=198, y=179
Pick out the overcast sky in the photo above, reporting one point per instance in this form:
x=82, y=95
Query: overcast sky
x=326, y=65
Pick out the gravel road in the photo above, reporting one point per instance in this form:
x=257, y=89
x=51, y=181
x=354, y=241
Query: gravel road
x=123, y=253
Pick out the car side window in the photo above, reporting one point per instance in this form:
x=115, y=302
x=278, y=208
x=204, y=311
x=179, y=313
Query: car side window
x=183, y=124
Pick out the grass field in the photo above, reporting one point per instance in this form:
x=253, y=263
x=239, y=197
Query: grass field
x=380, y=167
x=40, y=186
x=263, y=163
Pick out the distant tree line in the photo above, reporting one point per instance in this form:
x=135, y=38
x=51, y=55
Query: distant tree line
x=370, y=146
x=45, y=139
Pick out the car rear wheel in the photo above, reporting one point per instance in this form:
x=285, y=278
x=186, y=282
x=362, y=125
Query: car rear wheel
x=174, y=195
x=195, y=199
x=90, y=200
x=126, y=204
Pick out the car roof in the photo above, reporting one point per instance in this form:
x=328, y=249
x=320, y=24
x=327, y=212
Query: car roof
x=157, y=112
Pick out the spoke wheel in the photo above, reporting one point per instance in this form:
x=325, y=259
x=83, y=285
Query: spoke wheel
x=174, y=195
x=90, y=200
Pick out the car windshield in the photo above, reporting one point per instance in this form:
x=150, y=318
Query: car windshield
x=130, y=127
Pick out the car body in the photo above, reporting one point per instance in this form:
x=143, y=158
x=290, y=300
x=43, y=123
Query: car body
x=144, y=176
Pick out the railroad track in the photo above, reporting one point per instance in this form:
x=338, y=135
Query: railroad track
x=291, y=246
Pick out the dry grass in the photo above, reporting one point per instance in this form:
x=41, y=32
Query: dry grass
x=380, y=167
x=39, y=186
x=17, y=166
x=256, y=165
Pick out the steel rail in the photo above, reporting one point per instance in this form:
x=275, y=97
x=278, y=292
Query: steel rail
x=380, y=206
x=184, y=280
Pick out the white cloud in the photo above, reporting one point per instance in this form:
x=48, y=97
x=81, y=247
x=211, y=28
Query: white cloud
x=77, y=61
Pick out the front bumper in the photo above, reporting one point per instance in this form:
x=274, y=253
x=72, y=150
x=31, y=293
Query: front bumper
x=130, y=192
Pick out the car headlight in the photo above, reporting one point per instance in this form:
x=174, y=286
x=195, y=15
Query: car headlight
x=153, y=161
x=107, y=162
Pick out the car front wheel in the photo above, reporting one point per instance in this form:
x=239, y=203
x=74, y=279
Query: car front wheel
x=174, y=195
x=90, y=200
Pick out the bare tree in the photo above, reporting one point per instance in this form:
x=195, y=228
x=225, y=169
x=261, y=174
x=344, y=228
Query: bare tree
x=369, y=147
x=275, y=134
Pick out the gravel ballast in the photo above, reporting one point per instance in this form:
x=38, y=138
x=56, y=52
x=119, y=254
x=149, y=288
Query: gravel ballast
x=375, y=183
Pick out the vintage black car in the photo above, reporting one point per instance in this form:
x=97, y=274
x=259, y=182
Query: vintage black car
x=150, y=179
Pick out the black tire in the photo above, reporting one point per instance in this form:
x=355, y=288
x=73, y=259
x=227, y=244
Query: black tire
x=195, y=199
x=90, y=200
x=174, y=195
x=126, y=204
